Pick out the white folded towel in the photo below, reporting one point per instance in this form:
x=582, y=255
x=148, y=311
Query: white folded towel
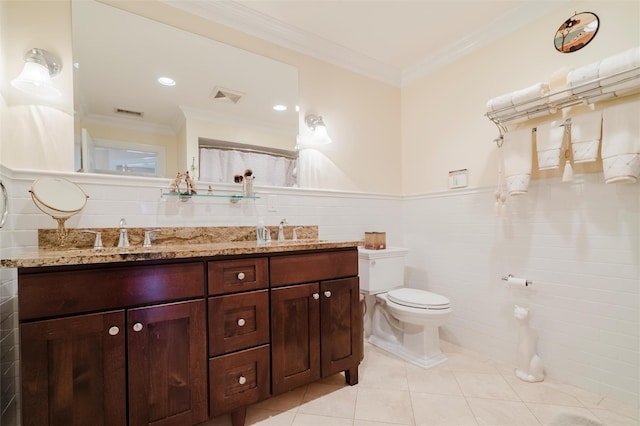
x=500, y=106
x=549, y=137
x=581, y=79
x=585, y=136
x=621, y=142
x=530, y=97
x=517, y=147
x=624, y=61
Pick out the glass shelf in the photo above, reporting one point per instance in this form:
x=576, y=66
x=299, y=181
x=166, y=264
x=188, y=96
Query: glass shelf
x=234, y=198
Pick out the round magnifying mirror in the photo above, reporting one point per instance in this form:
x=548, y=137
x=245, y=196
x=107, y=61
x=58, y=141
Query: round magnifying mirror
x=60, y=199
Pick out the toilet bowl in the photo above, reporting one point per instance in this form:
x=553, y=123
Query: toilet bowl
x=403, y=321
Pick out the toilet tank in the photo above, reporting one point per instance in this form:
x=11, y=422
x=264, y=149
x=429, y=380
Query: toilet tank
x=381, y=270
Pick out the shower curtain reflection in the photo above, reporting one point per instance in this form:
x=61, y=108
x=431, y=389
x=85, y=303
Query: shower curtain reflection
x=221, y=165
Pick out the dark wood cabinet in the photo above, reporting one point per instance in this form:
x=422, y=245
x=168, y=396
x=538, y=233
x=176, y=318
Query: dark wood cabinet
x=239, y=367
x=316, y=327
x=295, y=336
x=73, y=371
x=94, y=368
x=176, y=342
x=167, y=364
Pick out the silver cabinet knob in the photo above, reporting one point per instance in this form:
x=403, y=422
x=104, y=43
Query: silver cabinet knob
x=327, y=293
x=137, y=326
x=241, y=322
x=316, y=296
x=242, y=380
x=241, y=275
x=114, y=330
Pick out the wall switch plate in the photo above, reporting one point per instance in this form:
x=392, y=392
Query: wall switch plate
x=458, y=178
x=272, y=203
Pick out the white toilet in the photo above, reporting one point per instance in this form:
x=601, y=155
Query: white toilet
x=403, y=321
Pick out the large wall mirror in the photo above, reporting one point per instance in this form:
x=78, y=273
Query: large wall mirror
x=128, y=122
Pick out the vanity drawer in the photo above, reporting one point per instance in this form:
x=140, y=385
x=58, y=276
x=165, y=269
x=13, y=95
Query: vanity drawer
x=238, y=379
x=232, y=276
x=238, y=321
x=58, y=292
x=311, y=267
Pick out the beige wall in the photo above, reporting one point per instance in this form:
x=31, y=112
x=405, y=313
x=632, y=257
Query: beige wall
x=386, y=139
x=443, y=122
x=362, y=115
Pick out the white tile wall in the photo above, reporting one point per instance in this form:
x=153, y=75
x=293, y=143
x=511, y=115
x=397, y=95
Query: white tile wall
x=577, y=242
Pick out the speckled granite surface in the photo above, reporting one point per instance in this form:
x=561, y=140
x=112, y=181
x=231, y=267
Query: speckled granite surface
x=169, y=243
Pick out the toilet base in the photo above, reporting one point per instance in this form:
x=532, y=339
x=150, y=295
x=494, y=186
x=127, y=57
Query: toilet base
x=396, y=348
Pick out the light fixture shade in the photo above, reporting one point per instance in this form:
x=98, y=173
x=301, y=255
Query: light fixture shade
x=316, y=124
x=35, y=77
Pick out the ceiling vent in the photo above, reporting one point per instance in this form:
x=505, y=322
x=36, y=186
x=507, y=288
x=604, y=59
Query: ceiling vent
x=128, y=112
x=228, y=95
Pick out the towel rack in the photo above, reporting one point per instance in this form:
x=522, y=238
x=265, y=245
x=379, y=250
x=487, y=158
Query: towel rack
x=568, y=97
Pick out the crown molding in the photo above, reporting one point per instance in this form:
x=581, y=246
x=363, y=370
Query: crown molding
x=242, y=18
x=249, y=21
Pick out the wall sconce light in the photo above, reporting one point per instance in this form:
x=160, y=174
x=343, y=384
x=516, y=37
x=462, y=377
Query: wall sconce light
x=35, y=78
x=319, y=129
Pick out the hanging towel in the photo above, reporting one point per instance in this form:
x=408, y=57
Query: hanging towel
x=517, y=160
x=549, y=137
x=585, y=136
x=581, y=79
x=625, y=61
x=621, y=142
x=530, y=97
x=558, y=85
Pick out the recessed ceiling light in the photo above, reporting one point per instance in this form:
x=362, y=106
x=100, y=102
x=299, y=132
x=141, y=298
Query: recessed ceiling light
x=167, y=81
x=280, y=107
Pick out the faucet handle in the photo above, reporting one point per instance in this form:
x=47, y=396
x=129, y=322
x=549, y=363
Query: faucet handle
x=97, y=244
x=147, y=237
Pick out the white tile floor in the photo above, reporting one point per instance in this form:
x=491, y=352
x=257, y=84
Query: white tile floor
x=468, y=389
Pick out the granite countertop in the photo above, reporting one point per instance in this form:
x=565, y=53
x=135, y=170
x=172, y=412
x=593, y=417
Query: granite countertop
x=41, y=258
x=169, y=243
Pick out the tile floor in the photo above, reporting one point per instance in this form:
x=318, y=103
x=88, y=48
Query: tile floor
x=468, y=389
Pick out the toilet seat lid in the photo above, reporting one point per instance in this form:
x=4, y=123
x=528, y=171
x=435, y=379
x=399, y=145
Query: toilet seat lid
x=414, y=298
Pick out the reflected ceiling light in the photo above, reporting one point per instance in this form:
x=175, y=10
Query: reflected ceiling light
x=280, y=107
x=35, y=78
x=319, y=129
x=166, y=81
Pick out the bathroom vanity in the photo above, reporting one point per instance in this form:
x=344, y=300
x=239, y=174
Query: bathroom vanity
x=162, y=337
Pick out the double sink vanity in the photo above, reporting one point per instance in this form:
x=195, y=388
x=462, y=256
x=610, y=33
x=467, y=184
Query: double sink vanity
x=177, y=334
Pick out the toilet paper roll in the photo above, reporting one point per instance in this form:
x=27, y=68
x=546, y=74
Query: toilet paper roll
x=520, y=282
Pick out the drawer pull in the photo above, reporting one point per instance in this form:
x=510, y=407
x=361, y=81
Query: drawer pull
x=137, y=326
x=241, y=276
x=114, y=330
x=327, y=293
x=241, y=322
x=316, y=296
x=242, y=380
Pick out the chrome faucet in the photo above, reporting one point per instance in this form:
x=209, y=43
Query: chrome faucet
x=295, y=232
x=283, y=222
x=123, y=241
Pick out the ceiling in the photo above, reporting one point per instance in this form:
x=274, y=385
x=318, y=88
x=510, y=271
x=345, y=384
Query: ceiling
x=391, y=40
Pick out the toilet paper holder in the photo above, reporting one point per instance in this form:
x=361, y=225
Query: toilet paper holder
x=511, y=279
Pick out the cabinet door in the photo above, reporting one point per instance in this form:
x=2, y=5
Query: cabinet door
x=73, y=371
x=167, y=364
x=295, y=336
x=341, y=326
